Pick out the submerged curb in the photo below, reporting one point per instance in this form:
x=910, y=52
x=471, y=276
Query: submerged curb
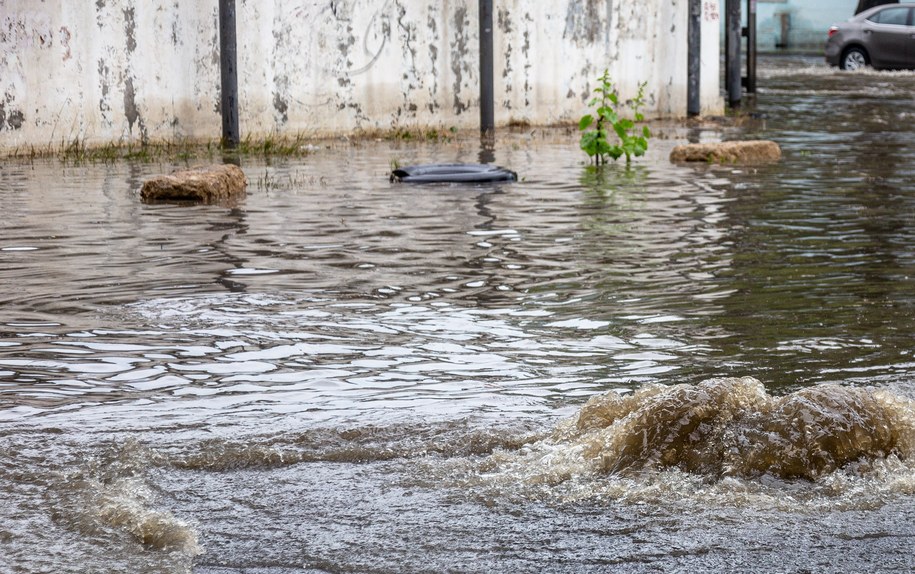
x=751, y=151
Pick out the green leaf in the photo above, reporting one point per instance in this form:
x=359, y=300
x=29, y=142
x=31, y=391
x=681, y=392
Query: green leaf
x=640, y=147
x=589, y=142
x=585, y=122
x=608, y=114
x=621, y=131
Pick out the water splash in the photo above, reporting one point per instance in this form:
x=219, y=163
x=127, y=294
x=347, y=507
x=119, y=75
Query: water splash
x=111, y=497
x=726, y=435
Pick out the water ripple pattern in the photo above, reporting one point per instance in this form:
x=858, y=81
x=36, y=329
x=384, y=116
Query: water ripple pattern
x=246, y=354
x=643, y=368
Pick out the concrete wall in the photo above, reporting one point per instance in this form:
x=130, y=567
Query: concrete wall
x=140, y=71
x=798, y=24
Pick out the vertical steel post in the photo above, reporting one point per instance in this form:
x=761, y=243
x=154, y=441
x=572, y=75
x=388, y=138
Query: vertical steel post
x=487, y=110
x=228, y=68
x=732, y=51
x=694, y=58
x=751, y=46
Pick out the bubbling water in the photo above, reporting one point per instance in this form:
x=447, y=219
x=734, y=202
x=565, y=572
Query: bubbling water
x=718, y=431
x=731, y=426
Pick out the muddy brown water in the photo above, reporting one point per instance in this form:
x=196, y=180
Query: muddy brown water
x=341, y=374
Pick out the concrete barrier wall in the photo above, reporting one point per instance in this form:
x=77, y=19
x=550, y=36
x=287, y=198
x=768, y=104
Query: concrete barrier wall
x=144, y=71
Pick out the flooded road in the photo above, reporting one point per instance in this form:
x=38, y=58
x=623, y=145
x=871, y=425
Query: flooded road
x=343, y=374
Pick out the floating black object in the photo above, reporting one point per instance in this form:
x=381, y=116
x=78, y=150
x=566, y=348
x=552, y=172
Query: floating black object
x=453, y=173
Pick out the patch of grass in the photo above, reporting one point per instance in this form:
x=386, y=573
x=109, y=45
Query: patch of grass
x=297, y=179
x=418, y=133
x=276, y=146
x=79, y=150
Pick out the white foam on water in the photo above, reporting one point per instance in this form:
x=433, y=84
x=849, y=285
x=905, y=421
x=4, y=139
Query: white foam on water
x=111, y=495
x=722, y=442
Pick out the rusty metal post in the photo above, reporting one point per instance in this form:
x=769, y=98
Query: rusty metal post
x=732, y=52
x=751, y=47
x=487, y=105
x=694, y=58
x=228, y=68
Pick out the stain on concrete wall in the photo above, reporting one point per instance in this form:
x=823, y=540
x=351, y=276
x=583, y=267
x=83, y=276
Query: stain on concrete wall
x=138, y=71
x=460, y=64
x=586, y=21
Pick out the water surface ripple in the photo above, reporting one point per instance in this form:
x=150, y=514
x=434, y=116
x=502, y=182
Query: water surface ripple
x=343, y=374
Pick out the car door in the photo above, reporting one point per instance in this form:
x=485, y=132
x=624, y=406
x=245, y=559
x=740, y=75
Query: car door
x=889, y=37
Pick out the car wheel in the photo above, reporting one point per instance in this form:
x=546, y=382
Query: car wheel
x=854, y=59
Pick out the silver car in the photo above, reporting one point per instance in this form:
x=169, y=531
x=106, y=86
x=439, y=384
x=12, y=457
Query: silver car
x=882, y=37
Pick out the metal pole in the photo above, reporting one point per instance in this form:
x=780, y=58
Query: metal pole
x=751, y=46
x=732, y=51
x=487, y=110
x=694, y=60
x=228, y=68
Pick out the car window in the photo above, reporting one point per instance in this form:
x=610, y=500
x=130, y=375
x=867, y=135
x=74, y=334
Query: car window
x=898, y=16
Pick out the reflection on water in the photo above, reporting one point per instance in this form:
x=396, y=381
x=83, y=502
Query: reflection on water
x=344, y=374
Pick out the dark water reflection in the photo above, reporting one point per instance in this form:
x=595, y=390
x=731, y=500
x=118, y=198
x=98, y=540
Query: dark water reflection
x=317, y=377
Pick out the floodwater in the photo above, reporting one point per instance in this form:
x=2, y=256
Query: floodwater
x=663, y=368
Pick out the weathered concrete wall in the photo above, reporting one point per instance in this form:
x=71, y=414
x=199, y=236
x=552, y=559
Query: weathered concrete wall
x=138, y=71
